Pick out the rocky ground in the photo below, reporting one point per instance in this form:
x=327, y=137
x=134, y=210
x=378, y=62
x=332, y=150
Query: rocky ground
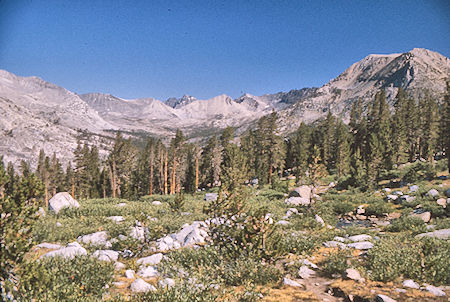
x=339, y=237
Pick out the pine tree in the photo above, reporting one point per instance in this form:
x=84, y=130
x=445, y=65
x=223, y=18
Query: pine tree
x=429, y=128
x=329, y=139
x=121, y=159
x=412, y=126
x=299, y=150
x=445, y=126
x=341, y=149
x=399, y=127
x=316, y=169
x=270, y=148
x=211, y=162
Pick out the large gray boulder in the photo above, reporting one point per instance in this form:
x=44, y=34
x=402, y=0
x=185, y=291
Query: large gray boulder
x=97, y=238
x=365, y=245
x=140, y=286
x=439, y=234
x=148, y=272
x=70, y=251
x=106, y=255
x=211, y=196
x=151, y=260
x=302, y=191
x=62, y=200
x=305, y=272
x=298, y=201
x=359, y=238
x=433, y=193
x=353, y=274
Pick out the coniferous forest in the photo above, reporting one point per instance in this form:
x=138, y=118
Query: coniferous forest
x=240, y=217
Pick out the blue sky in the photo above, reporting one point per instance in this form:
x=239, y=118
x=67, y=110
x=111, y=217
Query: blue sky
x=169, y=48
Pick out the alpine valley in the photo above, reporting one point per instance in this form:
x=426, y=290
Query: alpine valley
x=35, y=114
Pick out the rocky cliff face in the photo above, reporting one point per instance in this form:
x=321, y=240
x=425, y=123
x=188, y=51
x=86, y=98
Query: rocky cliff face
x=36, y=114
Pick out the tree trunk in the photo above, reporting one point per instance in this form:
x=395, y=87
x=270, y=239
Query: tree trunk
x=151, y=172
x=46, y=193
x=196, y=168
x=165, y=173
x=173, y=177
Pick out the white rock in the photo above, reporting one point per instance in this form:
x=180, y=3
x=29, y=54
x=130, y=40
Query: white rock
x=140, y=286
x=319, y=220
x=138, y=232
x=353, y=274
x=365, y=245
x=334, y=244
x=129, y=274
x=413, y=188
x=289, y=282
x=211, y=196
x=433, y=193
x=440, y=234
x=58, y=224
x=340, y=239
x=50, y=246
x=40, y=212
x=384, y=298
x=387, y=190
x=156, y=203
x=298, y=201
x=305, y=272
x=97, y=238
x=62, y=200
x=308, y=263
x=435, y=290
x=150, y=260
x=122, y=237
x=425, y=216
x=166, y=282
x=359, y=238
x=116, y=219
x=282, y=222
x=397, y=193
x=410, y=283
x=70, y=251
x=148, y=272
x=106, y=255
x=442, y=202
x=119, y=266
x=302, y=191
x=392, y=197
x=122, y=204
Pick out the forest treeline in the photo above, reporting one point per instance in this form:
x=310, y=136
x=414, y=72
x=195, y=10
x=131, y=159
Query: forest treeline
x=375, y=140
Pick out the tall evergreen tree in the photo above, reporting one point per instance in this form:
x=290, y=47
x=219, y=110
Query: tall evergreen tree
x=429, y=121
x=399, y=127
x=341, y=149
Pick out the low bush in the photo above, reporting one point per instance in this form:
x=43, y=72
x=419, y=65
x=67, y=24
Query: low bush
x=423, y=259
x=57, y=279
x=379, y=208
x=391, y=258
x=336, y=263
x=407, y=223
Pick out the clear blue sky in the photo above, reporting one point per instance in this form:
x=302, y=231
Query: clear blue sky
x=204, y=48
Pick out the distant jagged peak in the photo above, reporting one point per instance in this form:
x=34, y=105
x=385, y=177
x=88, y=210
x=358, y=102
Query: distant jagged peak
x=180, y=102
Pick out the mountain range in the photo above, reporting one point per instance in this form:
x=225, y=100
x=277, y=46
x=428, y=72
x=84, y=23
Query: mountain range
x=35, y=114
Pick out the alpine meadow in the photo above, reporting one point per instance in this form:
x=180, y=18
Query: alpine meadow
x=332, y=193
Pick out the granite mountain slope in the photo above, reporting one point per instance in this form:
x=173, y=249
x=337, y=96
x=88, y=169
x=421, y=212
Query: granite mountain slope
x=36, y=114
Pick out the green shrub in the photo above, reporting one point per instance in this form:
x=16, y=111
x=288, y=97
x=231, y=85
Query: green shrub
x=299, y=244
x=343, y=207
x=437, y=261
x=407, y=223
x=336, y=263
x=391, y=258
x=379, y=208
x=57, y=279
